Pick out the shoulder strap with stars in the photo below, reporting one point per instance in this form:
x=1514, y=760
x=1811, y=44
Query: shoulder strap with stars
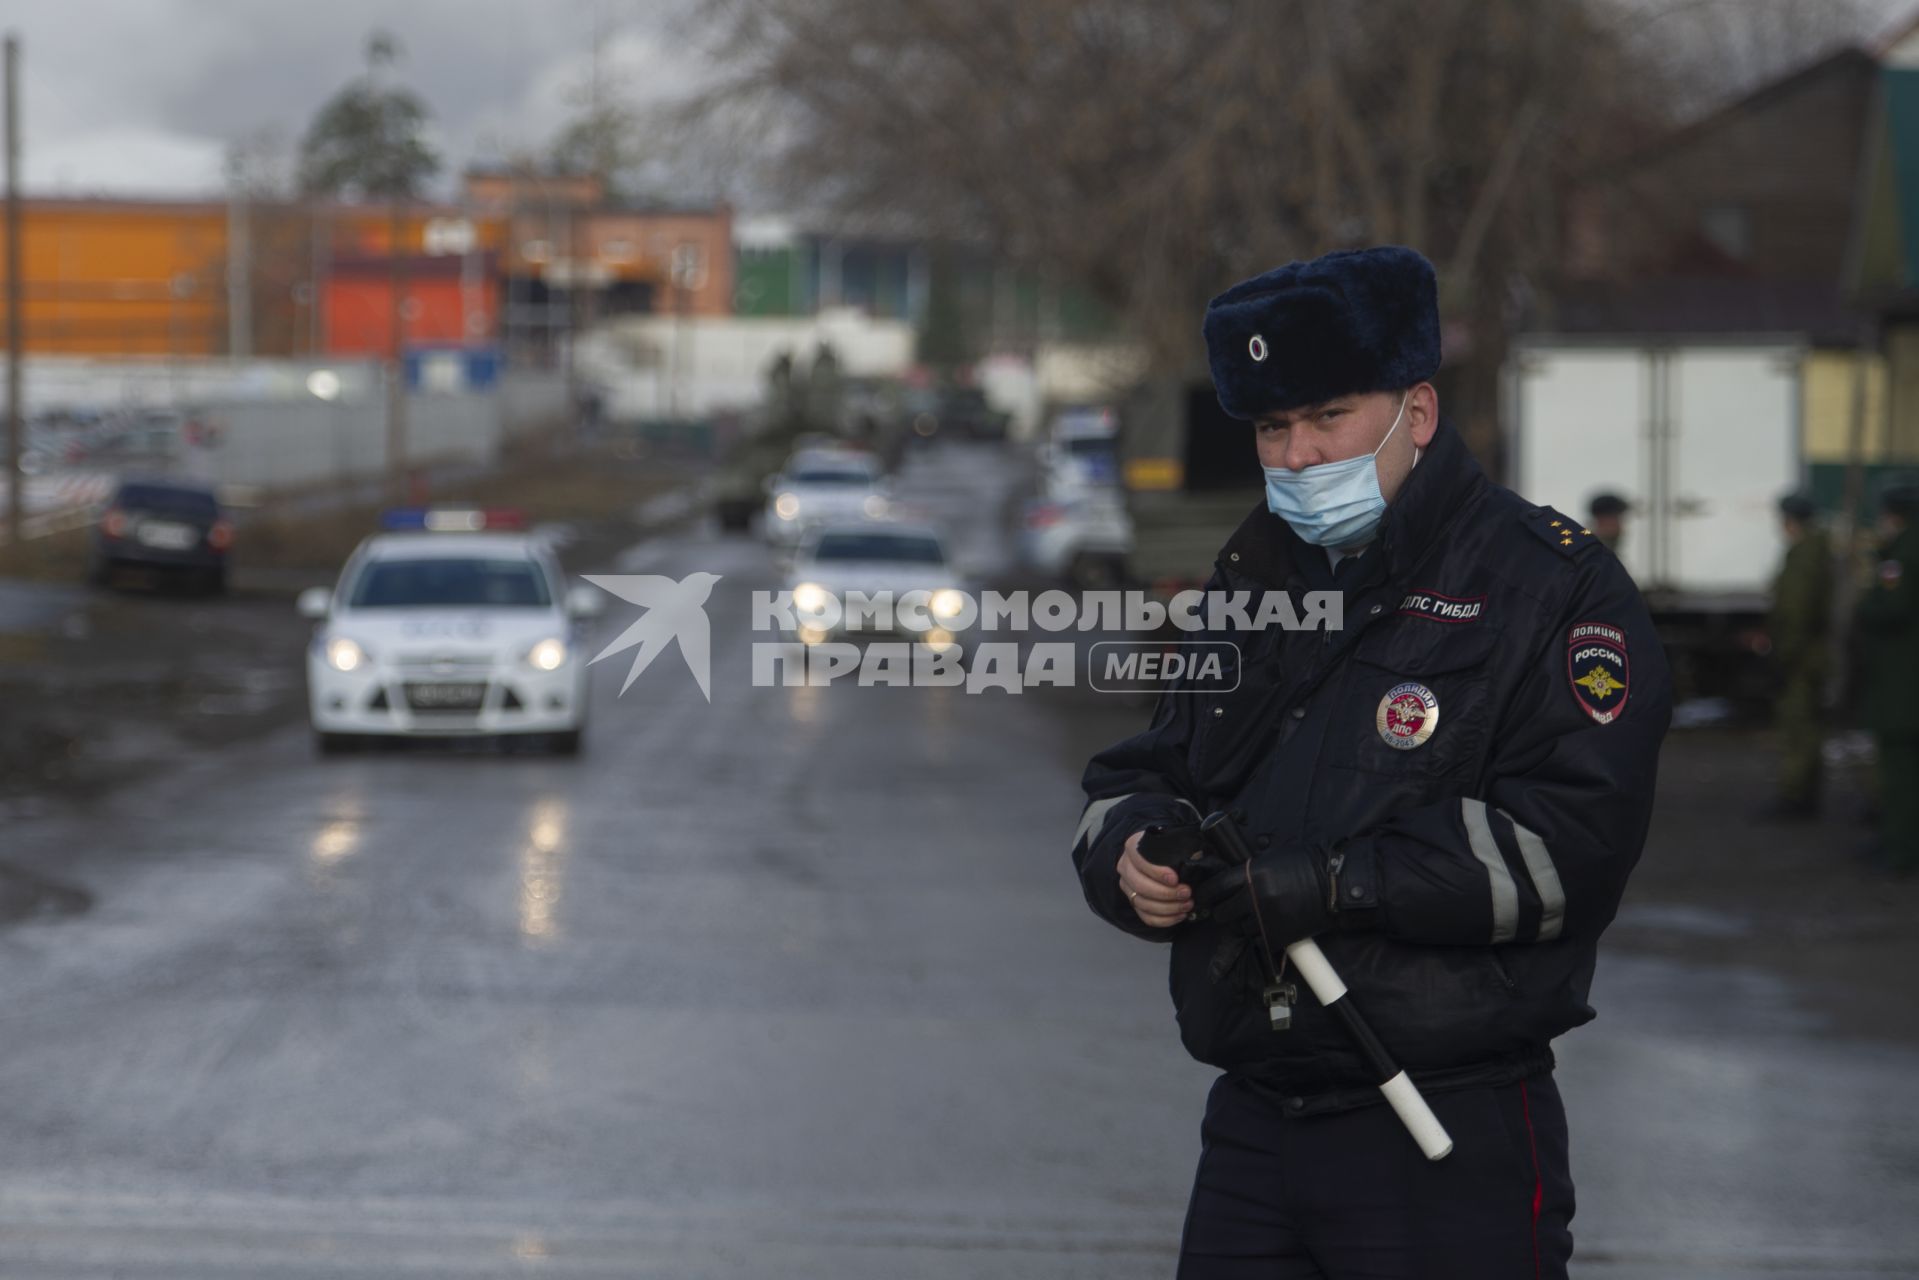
x=1560, y=532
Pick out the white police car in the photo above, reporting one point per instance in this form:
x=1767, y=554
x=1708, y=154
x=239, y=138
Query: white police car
x=449, y=623
x=905, y=565
x=818, y=487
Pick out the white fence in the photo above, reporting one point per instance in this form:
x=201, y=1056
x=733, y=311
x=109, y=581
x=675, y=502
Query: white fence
x=662, y=366
x=268, y=428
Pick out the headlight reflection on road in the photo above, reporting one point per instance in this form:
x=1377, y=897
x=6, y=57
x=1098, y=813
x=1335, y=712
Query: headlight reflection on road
x=340, y=834
x=336, y=840
x=803, y=702
x=542, y=868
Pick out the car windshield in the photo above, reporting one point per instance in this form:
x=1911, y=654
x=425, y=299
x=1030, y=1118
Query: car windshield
x=823, y=477
x=886, y=548
x=449, y=582
x=190, y=504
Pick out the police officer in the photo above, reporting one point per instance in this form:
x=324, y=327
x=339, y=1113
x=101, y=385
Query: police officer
x=1448, y=792
x=1887, y=625
x=1607, y=515
x=1797, y=627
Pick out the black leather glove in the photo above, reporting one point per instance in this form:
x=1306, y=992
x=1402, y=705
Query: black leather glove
x=1182, y=849
x=1281, y=895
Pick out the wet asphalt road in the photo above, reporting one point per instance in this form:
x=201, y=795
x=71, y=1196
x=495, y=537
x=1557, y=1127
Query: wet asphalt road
x=794, y=984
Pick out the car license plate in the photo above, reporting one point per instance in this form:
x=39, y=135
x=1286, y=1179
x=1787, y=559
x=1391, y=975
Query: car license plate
x=168, y=537
x=445, y=697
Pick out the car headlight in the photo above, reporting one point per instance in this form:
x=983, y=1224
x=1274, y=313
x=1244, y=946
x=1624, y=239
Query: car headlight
x=343, y=654
x=874, y=506
x=547, y=655
x=947, y=604
x=809, y=597
x=786, y=506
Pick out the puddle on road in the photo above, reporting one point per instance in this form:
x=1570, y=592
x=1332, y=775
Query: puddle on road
x=26, y=896
x=132, y=742
x=248, y=692
x=1683, y=920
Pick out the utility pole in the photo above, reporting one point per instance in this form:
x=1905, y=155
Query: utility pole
x=396, y=359
x=318, y=259
x=16, y=338
x=239, y=265
x=575, y=277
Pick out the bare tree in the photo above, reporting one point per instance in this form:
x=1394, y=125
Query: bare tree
x=1154, y=153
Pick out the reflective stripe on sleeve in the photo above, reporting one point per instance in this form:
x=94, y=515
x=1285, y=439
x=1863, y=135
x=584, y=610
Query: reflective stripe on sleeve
x=1539, y=865
x=1094, y=818
x=1505, y=893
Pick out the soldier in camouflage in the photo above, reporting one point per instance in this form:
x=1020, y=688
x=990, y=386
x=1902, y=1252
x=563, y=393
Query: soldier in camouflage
x=1798, y=627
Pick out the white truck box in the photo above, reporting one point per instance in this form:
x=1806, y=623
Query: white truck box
x=1702, y=439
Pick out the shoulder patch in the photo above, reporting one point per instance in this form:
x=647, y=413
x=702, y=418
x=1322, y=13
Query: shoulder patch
x=1597, y=669
x=1560, y=532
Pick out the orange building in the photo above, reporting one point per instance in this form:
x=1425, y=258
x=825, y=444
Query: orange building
x=122, y=277
x=132, y=277
x=683, y=258
x=569, y=239
x=450, y=302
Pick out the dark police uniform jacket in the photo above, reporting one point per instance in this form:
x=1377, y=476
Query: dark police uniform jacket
x=1887, y=620
x=1473, y=873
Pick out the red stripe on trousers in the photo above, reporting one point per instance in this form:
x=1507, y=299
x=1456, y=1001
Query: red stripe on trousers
x=1539, y=1188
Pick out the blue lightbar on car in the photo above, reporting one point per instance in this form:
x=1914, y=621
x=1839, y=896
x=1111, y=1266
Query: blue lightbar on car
x=451, y=519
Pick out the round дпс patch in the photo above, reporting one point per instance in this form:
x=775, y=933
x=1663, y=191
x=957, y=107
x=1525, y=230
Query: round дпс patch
x=1597, y=669
x=1407, y=716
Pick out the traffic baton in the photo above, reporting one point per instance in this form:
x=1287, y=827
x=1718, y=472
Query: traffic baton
x=1219, y=831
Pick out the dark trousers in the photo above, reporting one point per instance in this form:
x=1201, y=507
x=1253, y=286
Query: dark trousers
x=1899, y=801
x=1802, y=736
x=1348, y=1196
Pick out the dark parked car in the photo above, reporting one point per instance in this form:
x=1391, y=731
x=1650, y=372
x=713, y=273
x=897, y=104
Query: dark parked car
x=175, y=526
x=957, y=412
x=966, y=410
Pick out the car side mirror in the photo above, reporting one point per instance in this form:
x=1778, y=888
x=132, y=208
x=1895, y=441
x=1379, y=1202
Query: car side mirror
x=314, y=602
x=584, y=602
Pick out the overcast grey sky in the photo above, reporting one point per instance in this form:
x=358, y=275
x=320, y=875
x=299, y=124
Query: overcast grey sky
x=143, y=96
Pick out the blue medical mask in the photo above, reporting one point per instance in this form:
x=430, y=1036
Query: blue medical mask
x=1334, y=504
